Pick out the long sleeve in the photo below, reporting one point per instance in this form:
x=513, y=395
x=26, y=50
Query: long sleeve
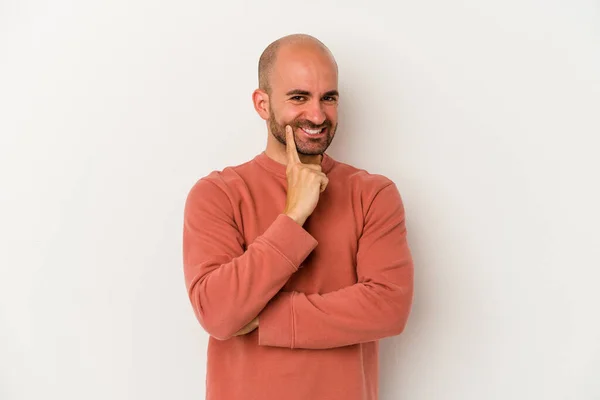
x=377, y=306
x=228, y=286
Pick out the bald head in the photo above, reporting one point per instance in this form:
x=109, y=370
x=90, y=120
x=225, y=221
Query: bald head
x=268, y=58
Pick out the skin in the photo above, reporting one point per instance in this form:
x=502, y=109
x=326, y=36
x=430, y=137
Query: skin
x=302, y=93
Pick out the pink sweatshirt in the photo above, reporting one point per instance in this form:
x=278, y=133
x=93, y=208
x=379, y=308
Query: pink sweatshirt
x=324, y=292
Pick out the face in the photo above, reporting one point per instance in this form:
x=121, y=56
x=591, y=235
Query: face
x=304, y=95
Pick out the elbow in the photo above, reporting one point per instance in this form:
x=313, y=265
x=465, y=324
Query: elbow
x=216, y=322
x=401, y=312
x=218, y=329
x=398, y=325
x=393, y=308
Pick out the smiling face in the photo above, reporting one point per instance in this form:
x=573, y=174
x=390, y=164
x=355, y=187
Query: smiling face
x=303, y=93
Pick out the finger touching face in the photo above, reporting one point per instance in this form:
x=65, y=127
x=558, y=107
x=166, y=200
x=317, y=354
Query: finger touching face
x=292, y=153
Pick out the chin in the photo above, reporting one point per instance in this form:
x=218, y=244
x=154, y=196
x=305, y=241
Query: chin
x=311, y=151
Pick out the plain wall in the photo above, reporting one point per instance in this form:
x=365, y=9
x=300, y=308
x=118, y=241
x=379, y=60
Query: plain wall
x=484, y=113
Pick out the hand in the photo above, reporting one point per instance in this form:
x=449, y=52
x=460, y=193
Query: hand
x=248, y=328
x=305, y=183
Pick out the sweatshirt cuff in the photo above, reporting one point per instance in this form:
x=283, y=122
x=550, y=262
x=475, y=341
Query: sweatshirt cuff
x=276, y=322
x=289, y=239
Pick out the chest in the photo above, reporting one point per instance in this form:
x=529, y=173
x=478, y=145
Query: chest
x=335, y=223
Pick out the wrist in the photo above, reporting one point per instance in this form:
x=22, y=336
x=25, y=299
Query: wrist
x=299, y=220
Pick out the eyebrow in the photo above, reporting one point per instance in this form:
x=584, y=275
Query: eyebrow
x=299, y=92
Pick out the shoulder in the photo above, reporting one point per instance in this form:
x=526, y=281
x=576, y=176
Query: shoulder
x=361, y=181
x=218, y=185
x=376, y=194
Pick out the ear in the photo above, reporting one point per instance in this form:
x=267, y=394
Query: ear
x=260, y=98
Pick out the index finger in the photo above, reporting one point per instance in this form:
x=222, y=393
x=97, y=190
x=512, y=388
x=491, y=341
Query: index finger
x=290, y=145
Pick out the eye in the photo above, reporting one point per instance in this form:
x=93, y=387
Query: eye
x=297, y=98
x=330, y=99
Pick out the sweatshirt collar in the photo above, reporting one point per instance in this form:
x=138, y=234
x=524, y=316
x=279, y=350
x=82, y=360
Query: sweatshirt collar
x=279, y=169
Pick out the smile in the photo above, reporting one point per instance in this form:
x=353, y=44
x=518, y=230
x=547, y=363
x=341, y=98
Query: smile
x=313, y=131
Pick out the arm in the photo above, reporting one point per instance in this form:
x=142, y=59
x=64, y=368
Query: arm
x=228, y=286
x=376, y=307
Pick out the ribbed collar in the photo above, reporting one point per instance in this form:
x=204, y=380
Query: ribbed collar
x=277, y=168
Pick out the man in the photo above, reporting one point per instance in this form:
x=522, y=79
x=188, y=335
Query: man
x=296, y=264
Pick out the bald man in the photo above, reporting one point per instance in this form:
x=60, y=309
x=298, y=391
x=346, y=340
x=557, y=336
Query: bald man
x=296, y=264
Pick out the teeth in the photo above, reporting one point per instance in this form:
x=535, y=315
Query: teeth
x=312, y=131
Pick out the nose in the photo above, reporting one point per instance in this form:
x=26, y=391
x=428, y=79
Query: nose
x=315, y=113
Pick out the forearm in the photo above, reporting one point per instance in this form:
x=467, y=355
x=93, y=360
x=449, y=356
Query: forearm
x=227, y=286
x=226, y=296
x=377, y=306
x=360, y=313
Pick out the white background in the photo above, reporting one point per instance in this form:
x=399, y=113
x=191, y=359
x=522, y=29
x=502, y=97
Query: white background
x=484, y=113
